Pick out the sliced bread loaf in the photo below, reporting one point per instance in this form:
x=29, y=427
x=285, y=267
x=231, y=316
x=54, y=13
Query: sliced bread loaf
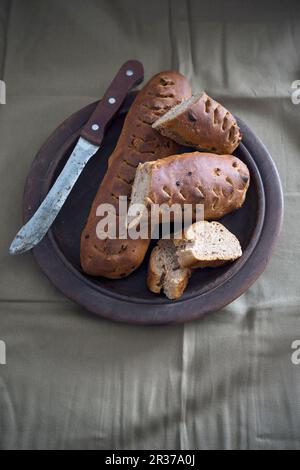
x=219, y=182
x=201, y=122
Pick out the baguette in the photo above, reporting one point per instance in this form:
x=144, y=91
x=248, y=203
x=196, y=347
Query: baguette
x=205, y=244
x=138, y=142
x=218, y=182
x=202, y=123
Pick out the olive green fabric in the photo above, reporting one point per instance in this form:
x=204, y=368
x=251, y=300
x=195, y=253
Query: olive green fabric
x=75, y=381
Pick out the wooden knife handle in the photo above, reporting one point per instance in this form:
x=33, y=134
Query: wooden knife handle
x=130, y=74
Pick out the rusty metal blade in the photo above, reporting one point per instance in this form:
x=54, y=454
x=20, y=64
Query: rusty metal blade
x=37, y=227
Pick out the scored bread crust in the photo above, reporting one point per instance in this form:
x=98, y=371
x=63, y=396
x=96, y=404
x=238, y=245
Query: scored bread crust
x=218, y=182
x=138, y=143
x=203, y=123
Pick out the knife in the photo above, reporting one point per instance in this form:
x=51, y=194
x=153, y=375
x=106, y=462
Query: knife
x=130, y=74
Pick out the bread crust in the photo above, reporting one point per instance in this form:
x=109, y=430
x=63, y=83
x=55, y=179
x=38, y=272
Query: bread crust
x=138, y=143
x=154, y=276
x=204, y=125
x=188, y=260
x=218, y=182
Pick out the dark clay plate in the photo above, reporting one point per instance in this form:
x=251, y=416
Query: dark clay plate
x=257, y=225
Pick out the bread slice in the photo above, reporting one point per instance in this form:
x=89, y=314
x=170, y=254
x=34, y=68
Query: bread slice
x=201, y=122
x=164, y=272
x=205, y=244
x=219, y=182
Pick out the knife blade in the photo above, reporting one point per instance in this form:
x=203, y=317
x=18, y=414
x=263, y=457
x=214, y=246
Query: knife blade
x=130, y=74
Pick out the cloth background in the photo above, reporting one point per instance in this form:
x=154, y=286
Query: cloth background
x=75, y=381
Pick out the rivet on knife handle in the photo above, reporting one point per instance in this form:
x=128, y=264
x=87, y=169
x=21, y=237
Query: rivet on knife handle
x=130, y=74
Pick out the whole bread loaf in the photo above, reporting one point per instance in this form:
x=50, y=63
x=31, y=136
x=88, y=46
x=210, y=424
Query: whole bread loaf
x=138, y=142
x=203, y=123
x=219, y=182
